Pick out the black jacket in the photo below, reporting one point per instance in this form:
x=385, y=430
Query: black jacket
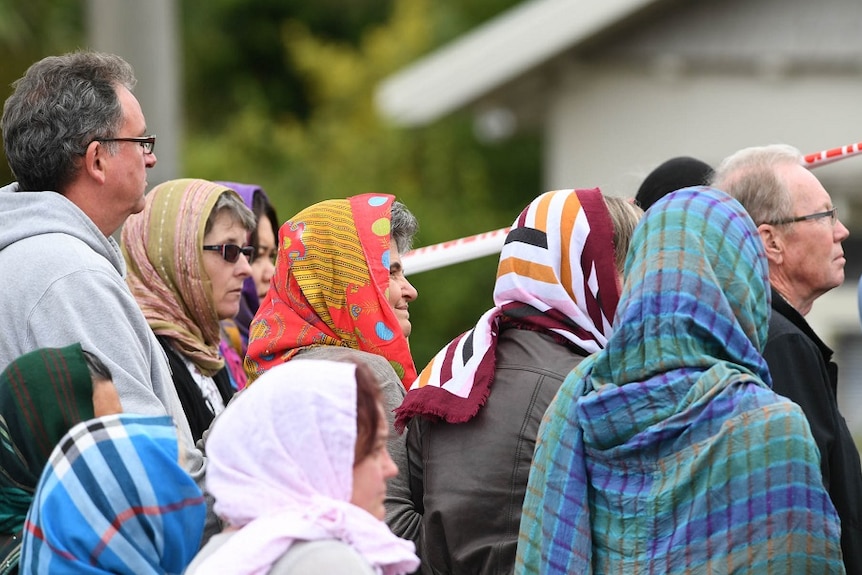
x=802, y=370
x=197, y=411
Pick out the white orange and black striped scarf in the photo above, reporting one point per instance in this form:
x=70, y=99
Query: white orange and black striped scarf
x=556, y=275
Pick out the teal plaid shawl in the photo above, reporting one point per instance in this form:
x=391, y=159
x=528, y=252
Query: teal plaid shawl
x=667, y=452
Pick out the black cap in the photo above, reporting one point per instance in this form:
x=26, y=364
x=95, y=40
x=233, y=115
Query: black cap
x=674, y=174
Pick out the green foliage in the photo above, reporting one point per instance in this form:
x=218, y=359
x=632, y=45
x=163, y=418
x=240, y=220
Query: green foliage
x=341, y=147
x=30, y=31
x=452, y=19
x=237, y=46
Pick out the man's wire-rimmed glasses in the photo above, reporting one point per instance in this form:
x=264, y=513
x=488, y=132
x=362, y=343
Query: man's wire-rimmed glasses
x=832, y=214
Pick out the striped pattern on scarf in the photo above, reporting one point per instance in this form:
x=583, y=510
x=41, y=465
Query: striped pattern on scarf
x=163, y=250
x=556, y=275
x=114, y=499
x=42, y=394
x=667, y=452
x=330, y=287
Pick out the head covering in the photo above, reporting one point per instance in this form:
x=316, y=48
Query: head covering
x=280, y=466
x=249, y=302
x=557, y=275
x=234, y=336
x=114, y=499
x=163, y=250
x=42, y=395
x=246, y=191
x=667, y=451
x=672, y=175
x=330, y=287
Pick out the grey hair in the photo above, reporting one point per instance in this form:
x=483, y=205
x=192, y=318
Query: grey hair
x=230, y=202
x=98, y=370
x=750, y=176
x=624, y=217
x=404, y=227
x=59, y=106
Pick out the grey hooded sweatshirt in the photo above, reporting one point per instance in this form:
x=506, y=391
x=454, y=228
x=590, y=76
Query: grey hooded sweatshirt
x=63, y=282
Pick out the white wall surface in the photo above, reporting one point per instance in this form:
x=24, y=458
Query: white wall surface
x=611, y=126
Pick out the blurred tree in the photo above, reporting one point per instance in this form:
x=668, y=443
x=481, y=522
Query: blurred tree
x=339, y=146
x=29, y=31
x=239, y=39
x=242, y=40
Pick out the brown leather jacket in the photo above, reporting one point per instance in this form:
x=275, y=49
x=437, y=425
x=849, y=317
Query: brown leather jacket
x=468, y=480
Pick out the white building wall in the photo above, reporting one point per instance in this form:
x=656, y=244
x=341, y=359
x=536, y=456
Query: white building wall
x=611, y=126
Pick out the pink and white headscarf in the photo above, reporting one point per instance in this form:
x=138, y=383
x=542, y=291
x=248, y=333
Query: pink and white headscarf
x=281, y=470
x=557, y=275
x=162, y=246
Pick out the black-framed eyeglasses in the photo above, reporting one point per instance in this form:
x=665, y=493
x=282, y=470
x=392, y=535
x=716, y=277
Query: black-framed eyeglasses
x=148, y=143
x=832, y=214
x=231, y=252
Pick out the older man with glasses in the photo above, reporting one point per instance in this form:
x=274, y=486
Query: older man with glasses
x=802, y=235
x=77, y=142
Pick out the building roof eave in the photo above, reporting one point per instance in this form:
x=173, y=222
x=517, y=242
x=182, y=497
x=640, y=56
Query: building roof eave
x=507, y=46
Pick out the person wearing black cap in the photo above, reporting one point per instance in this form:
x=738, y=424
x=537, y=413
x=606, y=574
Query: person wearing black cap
x=674, y=174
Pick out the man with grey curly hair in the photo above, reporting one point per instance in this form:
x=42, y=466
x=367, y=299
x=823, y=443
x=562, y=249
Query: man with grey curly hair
x=77, y=142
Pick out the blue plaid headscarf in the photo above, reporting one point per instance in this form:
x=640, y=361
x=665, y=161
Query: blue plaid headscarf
x=667, y=452
x=114, y=499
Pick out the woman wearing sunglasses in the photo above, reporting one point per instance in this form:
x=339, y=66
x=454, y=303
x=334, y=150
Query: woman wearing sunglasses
x=187, y=260
x=234, y=331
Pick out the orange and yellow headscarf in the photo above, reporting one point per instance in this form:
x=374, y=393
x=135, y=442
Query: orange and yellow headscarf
x=330, y=287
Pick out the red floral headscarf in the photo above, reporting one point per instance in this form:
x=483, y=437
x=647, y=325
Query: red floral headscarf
x=330, y=287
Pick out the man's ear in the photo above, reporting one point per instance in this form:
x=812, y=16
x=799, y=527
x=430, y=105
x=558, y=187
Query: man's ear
x=773, y=243
x=94, y=161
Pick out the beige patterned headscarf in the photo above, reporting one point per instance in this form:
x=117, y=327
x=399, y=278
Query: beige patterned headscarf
x=163, y=246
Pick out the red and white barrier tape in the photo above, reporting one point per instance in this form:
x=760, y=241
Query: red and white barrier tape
x=453, y=252
x=828, y=156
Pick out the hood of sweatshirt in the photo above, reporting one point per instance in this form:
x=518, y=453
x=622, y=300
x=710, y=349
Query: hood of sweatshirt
x=25, y=215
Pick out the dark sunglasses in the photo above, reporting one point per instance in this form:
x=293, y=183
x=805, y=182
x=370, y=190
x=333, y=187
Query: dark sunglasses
x=231, y=252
